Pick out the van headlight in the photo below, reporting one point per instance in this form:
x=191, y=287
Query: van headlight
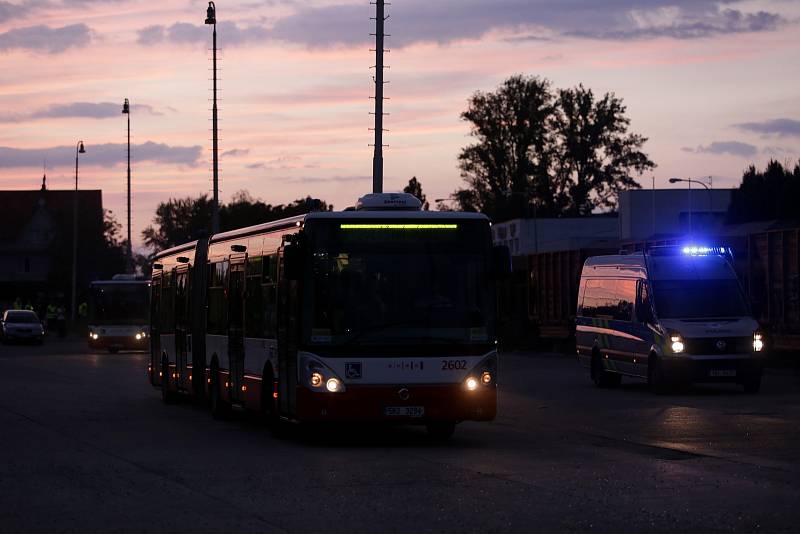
x=758, y=342
x=676, y=343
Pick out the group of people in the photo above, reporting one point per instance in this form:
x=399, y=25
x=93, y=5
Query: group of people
x=53, y=317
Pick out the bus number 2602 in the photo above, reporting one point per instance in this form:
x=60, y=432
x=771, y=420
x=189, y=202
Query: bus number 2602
x=452, y=365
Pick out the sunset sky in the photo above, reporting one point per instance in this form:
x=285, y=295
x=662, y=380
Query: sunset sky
x=715, y=85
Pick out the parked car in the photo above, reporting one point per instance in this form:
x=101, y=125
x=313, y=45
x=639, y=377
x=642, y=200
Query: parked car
x=21, y=325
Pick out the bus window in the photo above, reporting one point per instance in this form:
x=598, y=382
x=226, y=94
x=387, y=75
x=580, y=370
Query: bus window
x=168, y=303
x=254, y=319
x=217, y=309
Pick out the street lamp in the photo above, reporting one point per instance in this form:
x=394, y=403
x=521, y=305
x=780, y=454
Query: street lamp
x=78, y=150
x=126, y=110
x=690, y=182
x=211, y=18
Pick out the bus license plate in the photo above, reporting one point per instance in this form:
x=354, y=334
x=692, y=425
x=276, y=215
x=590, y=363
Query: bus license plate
x=718, y=373
x=404, y=411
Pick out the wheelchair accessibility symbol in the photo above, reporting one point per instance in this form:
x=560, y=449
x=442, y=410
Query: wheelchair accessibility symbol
x=352, y=370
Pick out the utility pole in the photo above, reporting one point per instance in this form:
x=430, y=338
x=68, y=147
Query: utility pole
x=211, y=18
x=126, y=109
x=72, y=309
x=377, y=159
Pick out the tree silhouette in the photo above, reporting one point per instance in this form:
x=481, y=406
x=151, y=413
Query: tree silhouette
x=555, y=154
x=767, y=195
x=595, y=154
x=414, y=187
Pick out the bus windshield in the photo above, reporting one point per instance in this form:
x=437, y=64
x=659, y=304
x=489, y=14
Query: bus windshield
x=400, y=283
x=699, y=299
x=119, y=304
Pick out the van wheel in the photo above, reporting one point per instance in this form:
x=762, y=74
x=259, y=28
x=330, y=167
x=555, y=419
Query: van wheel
x=219, y=408
x=166, y=395
x=752, y=382
x=600, y=376
x=655, y=376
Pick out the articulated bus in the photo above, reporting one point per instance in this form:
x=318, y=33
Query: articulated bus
x=118, y=314
x=382, y=313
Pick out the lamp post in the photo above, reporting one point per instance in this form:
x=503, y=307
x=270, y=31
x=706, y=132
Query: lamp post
x=211, y=18
x=690, y=182
x=126, y=109
x=78, y=150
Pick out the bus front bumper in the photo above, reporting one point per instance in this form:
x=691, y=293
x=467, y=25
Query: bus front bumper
x=119, y=342
x=418, y=404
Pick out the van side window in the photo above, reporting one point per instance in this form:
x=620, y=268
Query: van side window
x=609, y=299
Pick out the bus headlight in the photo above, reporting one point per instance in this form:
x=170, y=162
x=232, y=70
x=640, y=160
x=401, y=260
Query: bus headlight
x=758, y=342
x=315, y=379
x=333, y=385
x=95, y=336
x=676, y=343
x=486, y=378
x=138, y=337
x=318, y=377
x=471, y=383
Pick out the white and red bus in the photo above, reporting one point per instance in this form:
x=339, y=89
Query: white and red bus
x=382, y=313
x=118, y=315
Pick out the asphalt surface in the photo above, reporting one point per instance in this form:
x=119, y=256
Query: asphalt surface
x=86, y=446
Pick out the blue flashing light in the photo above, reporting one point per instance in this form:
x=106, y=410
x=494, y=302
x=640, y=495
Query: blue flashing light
x=706, y=251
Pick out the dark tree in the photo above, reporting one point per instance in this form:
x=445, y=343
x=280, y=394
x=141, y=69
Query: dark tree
x=595, y=154
x=414, y=187
x=178, y=221
x=767, y=195
x=508, y=164
x=553, y=156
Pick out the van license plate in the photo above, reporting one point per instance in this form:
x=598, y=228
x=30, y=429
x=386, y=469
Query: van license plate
x=404, y=411
x=718, y=373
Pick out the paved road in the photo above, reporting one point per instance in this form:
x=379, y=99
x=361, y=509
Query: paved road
x=86, y=445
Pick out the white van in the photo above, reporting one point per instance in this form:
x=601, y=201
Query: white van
x=671, y=315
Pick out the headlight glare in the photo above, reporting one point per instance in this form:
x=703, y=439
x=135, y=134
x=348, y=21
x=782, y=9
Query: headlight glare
x=333, y=385
x=677, y=343
x=315, y=379
x=758, y=342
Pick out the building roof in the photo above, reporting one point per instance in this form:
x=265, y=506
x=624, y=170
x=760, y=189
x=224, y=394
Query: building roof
x=19, y=207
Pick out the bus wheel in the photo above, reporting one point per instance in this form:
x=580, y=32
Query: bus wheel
x=441, y=430
x=219, y=408
x=601, y=377
x=655, y=376
x=166, y=395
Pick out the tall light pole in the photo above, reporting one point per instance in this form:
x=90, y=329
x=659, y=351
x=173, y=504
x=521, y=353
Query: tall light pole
x=211, y=18
x=126, y=109
x=690, y=182
x=78, y=150
x=377, y=158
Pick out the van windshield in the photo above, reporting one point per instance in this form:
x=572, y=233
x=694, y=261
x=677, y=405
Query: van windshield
x=699, y=299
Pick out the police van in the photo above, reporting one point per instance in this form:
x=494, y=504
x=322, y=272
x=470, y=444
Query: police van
x=671, y=315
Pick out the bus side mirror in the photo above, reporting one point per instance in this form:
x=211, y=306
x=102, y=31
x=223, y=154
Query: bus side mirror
x=501, y=262
x=292, y=262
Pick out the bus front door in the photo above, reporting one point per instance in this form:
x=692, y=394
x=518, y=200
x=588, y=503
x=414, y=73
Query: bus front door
x=236, y=332
x=287, y=340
